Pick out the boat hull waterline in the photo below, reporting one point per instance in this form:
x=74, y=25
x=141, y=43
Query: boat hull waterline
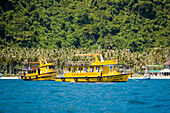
x=39, y=77
x=110, y=78
x=35, y=71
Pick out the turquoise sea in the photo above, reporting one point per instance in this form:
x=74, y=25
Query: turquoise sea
x=133, y=96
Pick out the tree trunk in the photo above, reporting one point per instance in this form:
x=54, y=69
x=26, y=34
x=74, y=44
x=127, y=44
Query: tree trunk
x=152, y=66
x=0, y=69
x=16, y=69
x=13, y=68
x=6, y=70
x=20, y=66
x=10, y=69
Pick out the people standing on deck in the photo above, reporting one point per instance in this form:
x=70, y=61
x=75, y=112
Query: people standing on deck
x=26, y=61
x=67, y=59
x=131, y=75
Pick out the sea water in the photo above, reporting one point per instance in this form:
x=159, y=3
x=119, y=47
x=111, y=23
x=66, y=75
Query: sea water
x=133, y=96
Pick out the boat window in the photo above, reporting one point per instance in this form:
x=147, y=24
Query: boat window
x=43, y=62
x=68, y=70
x=91, y=69
x=74, y=70
x=29, y=71
x=34, y=71
x=97, y=69
x=116, y=67
x=111, y=67
x=51, y=67
x=166, y=67
x=80, y=70
x=27, y=68
x=98, y=57
x=85, y=69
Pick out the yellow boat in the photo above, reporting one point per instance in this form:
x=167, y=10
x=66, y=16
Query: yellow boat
x=98, y=71
x=44, y=71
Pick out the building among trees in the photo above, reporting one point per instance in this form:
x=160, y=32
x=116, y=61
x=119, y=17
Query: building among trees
x=166, y=70
x=159, y=70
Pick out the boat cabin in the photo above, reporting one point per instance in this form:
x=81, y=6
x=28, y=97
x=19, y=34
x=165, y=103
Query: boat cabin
x=97, y=71
x=98, y=68
x=93, y=70
x=38, y=68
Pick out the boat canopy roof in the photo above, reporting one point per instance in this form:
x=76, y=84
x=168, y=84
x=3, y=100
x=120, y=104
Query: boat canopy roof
x=154, y=71
x=98, y=59
x=36, y=65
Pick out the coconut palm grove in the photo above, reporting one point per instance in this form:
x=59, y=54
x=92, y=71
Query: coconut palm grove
x=135, y=33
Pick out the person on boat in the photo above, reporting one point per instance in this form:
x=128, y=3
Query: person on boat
x=28, y=68
x=24, y=73
x=67, y=59
x=26, y=61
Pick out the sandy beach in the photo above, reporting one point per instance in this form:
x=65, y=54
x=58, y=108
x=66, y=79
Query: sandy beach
x=160, y=77
x=129, y=78
x=150, y=77
x=9, y=78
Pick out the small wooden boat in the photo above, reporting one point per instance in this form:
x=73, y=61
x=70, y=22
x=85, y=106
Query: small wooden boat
x=141, y=78
x=44, y=71
x=98, y=71
x=146, y=77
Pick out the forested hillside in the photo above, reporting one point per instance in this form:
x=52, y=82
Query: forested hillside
x=132, y=32
x=53, y=24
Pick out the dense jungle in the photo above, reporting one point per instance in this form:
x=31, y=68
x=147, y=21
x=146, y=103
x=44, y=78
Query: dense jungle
x=135, y=33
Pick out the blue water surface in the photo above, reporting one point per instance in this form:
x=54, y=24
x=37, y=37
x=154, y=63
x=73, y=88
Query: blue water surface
x=133, y=96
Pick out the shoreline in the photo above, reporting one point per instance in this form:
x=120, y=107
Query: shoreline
x=128, y=78
x=150, y=78
x=9, y=77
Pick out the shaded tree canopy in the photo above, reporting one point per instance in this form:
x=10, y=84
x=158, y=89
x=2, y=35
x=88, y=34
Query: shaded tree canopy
x=130, y=24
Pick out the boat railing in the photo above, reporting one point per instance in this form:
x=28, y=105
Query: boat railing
x=30, y=67
x=78, y=63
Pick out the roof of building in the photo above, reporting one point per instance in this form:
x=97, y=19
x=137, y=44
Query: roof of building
x=167, y=63
x=159, y=66
x=165, y=70
x=154, y=71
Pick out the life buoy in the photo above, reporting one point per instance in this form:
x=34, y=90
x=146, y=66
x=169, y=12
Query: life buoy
x=75, y=79
x=99, y=78
x=86, y=78
x=63, y=79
